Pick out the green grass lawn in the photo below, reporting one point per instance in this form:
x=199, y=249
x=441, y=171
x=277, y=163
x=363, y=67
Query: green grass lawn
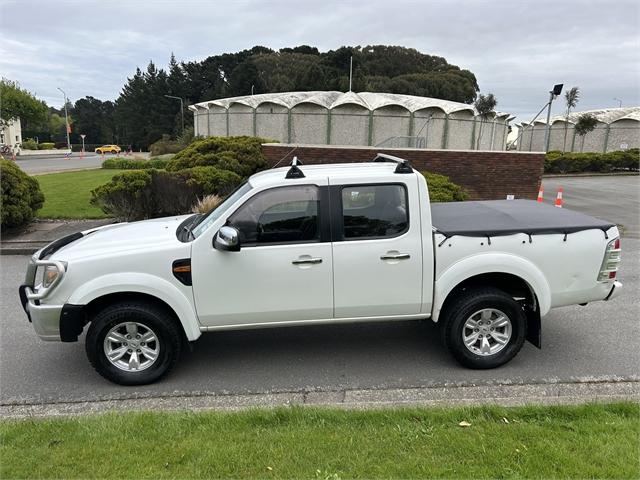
x=589, y=441
x=67, y=194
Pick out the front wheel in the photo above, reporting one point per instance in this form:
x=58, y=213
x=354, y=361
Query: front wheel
x=133, y=343
x=484, y=328
x=114, y=152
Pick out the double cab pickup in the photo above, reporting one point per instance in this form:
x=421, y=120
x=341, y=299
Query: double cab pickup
x=320, y=244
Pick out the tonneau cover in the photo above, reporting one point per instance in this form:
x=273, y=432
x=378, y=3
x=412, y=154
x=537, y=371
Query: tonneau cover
x=506, y=217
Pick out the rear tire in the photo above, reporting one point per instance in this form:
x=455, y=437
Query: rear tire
x=141, y=338
x=483, y=328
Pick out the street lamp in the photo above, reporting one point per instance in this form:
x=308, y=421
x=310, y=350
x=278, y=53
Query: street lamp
x=557, y=90
x=181, y=109
x=66, y=118
x=619, y=101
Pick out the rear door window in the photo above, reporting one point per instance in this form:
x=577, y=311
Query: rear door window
x=374, y=211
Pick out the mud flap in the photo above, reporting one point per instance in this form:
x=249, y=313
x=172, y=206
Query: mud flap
x=534, y=327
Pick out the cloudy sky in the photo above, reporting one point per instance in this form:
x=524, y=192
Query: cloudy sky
x=517, y=49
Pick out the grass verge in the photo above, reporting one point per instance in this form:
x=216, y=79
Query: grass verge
x=588, y=441
x=67, y=194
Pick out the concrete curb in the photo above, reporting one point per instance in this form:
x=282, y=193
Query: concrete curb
x=592, y=174
x=503, y=395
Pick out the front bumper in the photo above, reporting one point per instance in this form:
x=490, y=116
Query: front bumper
x=52, y=322
x=45, y=318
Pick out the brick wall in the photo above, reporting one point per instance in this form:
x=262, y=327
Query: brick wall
x=487, y=175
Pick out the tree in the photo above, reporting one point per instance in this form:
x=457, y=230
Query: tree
x=571, y=98
x=94, y=118
x=485, y=105
x=586, y=123
x=18, y=103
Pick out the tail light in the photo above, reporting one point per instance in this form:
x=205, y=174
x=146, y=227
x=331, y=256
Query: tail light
x=611, y=261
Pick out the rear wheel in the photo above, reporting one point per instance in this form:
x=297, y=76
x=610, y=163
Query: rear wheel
x=483, y=328
x=133, y=343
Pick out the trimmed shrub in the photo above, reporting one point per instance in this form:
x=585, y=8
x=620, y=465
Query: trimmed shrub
x=242, y=155
x=441, y=189
x=21, y=195
x=46, y=146
x=29, y=144
x=558, y=162
x=119, y=163
x=151, y=193
x=165, y=145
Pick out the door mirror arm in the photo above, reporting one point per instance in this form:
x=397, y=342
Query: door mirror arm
x=227, y=239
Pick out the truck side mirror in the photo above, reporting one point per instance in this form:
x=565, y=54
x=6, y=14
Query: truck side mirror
x=227, y=239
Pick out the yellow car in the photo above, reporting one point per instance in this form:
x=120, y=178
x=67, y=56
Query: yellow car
x=108, y=149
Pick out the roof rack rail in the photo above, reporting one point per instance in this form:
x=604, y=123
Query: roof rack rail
x=294, y=171
x=403, y=165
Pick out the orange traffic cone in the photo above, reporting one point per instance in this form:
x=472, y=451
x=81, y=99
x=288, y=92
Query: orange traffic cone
x=540, y=194
x=559, y=198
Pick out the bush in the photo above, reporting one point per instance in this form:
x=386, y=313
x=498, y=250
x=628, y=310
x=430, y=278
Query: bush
x=165, y=145
x=46, y=146
x=29, y=144
x=119, y=163
x=558, y=162
x=21, y=195
x=151, y=193
x=241, y=155
x=441, y=189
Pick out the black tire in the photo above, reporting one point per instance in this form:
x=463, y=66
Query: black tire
x=114, y=151
x=463, y=307
x=148, y=315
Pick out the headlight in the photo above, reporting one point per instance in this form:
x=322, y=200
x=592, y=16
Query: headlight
x=50, y=275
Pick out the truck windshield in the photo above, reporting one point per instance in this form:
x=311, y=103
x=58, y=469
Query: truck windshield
x=217, y=212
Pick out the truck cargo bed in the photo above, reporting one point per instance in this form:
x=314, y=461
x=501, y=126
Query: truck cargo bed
x=507, y=217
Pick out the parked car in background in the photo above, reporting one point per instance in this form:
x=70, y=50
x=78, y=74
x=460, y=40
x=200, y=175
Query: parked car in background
x=108, y=149
x=315, y=245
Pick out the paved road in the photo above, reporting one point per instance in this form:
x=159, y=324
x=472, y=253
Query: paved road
x=597, y=341
x=615, y=198
x=56, y=163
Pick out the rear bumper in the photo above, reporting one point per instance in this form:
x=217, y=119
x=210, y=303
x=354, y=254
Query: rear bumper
x=616, y=289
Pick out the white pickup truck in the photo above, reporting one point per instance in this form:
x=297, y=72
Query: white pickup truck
x=317, y=244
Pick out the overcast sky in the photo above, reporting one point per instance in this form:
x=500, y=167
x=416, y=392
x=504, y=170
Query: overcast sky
x=517, y=49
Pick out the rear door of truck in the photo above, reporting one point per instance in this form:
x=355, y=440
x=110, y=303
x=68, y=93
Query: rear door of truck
x=377, y=246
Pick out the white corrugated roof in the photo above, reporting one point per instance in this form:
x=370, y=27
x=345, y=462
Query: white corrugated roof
x=604, y=115
x=368, y=100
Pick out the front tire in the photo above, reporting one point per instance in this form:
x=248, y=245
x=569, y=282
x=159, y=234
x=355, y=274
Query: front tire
x=483, y=328
x=133, y=343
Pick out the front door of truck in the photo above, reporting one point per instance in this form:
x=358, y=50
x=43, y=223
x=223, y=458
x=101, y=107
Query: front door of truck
x=283, y=271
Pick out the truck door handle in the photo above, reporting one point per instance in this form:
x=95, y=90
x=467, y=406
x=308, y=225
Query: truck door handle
x=395, y=256
x=307, y=261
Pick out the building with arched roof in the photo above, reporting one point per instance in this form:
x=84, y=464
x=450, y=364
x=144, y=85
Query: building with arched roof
x=617, y=129
x=366, y=118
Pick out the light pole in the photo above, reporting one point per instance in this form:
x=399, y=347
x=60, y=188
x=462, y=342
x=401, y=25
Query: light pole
x=66, y=118
x=619, y=101
x=557, y=90
x=181, y=109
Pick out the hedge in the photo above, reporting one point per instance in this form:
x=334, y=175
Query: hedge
x=242, y=155
x=152, y=193
x=618, y=161
x=119, y=163
x=441, y=189
x=21, y=195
